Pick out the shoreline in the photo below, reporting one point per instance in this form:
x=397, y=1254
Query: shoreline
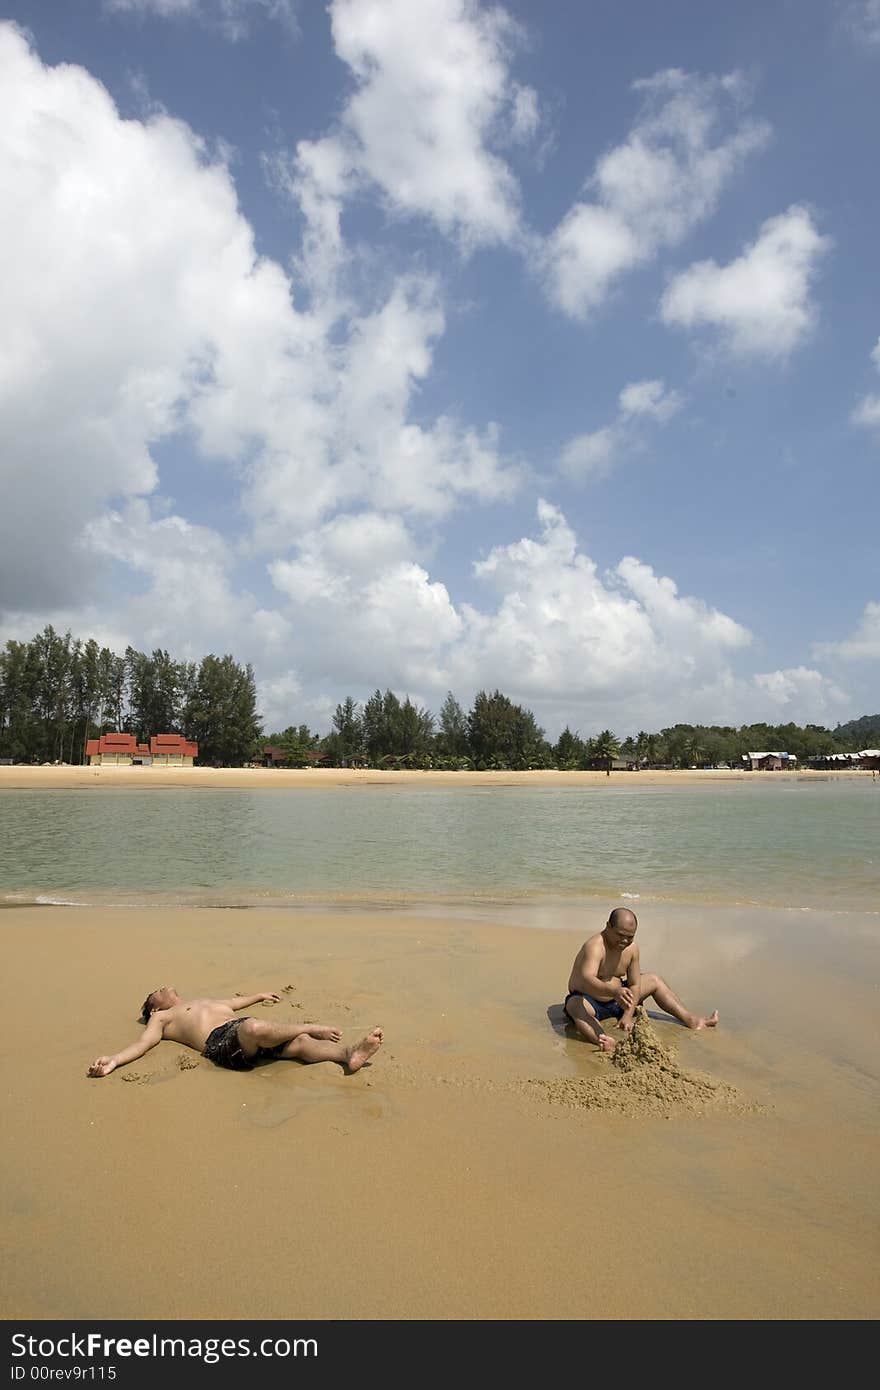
x=20, y=778
x=456, y=1166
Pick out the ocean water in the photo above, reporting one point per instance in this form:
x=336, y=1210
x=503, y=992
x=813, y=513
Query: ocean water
x=787, y=843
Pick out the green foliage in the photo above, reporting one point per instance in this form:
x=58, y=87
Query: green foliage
x=56, y=692
x=864, y=731
x=452, y=736
x=297, y=742
x=503, y=735
x=221, y=712
x=569, y=751
x=604, y=749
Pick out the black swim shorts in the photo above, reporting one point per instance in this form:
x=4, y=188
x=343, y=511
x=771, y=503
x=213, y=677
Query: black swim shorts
x=224, y=1049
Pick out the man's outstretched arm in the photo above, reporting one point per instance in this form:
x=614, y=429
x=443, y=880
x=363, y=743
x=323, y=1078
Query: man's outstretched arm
x=246, y=1001
x=152, y=1034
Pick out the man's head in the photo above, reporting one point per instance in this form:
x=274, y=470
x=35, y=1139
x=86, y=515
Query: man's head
x=620, y=927
x=161, y=998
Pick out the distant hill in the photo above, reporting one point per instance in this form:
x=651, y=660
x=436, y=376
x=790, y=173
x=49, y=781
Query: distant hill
x=863, y=730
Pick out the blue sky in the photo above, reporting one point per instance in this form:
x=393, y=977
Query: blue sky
x=440, y=345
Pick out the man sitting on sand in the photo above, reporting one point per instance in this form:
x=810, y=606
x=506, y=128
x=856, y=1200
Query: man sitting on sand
x=607, y=982
x=208, y=1026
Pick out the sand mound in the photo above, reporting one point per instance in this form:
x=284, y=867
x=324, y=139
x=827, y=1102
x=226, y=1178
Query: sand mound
x=642, y=1077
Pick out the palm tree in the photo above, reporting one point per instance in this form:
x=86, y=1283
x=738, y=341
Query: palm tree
x=606, y=749
x=694, y=751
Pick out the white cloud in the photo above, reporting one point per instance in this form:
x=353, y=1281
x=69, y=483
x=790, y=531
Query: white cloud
x=867, y=412
x=760, y=302
x=863, y=19
x=232, y=17
x=595, y=454
x=649, y=398
x=139, y=308
x=861, y=645
x=563, y=635
x=432, y=95
x=190, y=603
x=361, y=604
x=650, y=191
x=802, y=690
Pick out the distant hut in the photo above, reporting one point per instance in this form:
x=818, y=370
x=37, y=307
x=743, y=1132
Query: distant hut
x=769, y=762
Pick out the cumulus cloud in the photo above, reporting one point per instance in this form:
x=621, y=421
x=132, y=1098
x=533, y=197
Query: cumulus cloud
x=759, y=303
x=867, y=412
x=139, y=308
x=562, y=632
x=433, y=94
x=594, y=455
x=799, y=689
x=232, y=17
x=189, y=601
x=650, y=191
x=622, y=648
x=362, y=604
x=861, y=645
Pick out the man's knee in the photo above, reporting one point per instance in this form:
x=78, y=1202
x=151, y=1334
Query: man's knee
x=648, y=983
x=253, y=1033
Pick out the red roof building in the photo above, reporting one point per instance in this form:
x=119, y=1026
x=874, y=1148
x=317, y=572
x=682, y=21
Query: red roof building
x=173, y=748
x=123, y=750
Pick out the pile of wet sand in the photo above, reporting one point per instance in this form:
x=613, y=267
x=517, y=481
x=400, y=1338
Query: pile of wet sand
x=642, y=1077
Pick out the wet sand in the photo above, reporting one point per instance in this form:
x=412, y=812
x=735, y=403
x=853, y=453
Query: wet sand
x=46, y=778
x=476, y=1167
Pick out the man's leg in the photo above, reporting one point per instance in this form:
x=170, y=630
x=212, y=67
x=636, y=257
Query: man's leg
x=583, y=1016
x=652, y=986
x=293, y=1044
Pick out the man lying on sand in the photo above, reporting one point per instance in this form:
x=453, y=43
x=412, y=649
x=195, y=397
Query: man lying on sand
x=606, y=981
x=208, y=1026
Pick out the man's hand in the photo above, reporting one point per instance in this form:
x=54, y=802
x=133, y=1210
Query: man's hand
x=271, y=997
x=625, y=1022
x=625, y=997
x=317, y=1030
x=103, y=1066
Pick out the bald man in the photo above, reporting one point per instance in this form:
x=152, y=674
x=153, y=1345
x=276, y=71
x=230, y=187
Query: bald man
x=606, y=981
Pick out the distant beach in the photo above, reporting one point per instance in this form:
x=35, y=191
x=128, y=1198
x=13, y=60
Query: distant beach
x=252, y=777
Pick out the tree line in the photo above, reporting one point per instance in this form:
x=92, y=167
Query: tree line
x=56, y=692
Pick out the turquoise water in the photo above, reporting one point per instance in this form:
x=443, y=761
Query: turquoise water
x=797, y=843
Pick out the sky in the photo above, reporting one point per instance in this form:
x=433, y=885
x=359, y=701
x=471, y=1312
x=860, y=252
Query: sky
x=436, y=345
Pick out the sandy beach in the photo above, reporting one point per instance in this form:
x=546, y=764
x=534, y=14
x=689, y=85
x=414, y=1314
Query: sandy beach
x=486, y=1165
x=46, y=777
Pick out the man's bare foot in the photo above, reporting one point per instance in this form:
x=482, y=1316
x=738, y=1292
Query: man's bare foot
x=710, y=1022
x=606, y=1044
x=363, y=1051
